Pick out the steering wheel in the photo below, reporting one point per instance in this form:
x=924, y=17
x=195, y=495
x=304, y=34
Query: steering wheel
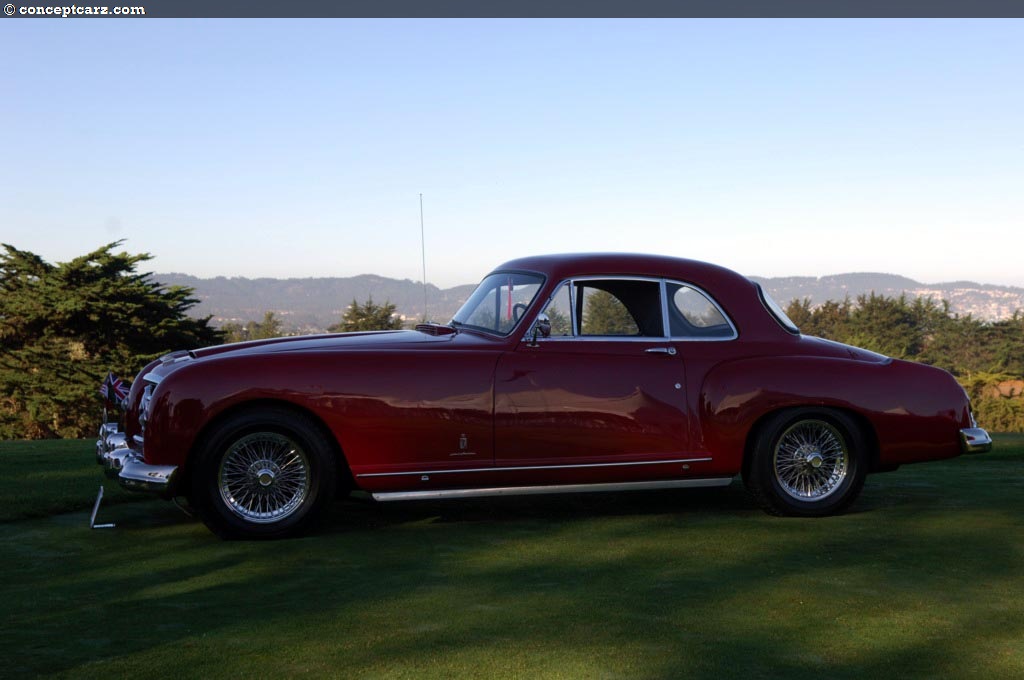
x=517, y=311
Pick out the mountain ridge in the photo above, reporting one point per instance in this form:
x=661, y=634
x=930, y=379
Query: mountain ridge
x=311, y=304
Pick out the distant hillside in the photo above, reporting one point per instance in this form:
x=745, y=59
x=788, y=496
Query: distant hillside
x=982, y=301
x=313, y=304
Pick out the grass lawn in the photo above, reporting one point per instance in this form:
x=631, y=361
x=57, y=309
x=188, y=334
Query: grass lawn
x=923, y=578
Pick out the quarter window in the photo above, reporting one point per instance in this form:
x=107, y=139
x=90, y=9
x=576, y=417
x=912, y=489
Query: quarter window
x=559, y=312
x=692, y=314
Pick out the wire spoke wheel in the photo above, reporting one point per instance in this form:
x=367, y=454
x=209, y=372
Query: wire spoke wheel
x=264, y=477
x=811, y=460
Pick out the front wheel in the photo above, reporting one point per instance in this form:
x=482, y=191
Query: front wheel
x=265, y=473
x=807, y=463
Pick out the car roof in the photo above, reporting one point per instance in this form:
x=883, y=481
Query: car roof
x=566, y=265
x=735, y=293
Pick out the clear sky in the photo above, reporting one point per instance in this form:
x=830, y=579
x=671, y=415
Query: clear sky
x=299, y=148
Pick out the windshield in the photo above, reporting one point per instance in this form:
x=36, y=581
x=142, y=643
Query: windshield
x=499, y=302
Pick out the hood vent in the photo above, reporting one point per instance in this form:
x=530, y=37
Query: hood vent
x=434, y=329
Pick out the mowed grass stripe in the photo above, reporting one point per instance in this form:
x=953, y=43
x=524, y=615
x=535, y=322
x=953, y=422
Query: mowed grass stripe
x=922, y=579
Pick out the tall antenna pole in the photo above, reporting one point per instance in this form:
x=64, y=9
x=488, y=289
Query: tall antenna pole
x=423, y=250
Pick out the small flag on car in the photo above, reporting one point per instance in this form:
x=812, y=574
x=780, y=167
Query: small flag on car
x=113, y=390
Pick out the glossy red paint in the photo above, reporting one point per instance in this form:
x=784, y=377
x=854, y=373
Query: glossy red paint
x=411, y=410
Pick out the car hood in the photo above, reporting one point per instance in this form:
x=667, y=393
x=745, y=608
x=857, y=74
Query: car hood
x=337, y=341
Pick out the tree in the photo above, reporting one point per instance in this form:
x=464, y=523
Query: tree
x=561, y=322
x=270, y=327
x=604, y=314
x=801, y=314
x=368, y=317
x=64, y=326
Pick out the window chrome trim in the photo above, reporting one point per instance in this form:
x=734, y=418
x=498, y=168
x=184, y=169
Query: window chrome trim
x=666, y=329
x=663, y=285
x=544, y=308
x=536, y=467
x=606, y=338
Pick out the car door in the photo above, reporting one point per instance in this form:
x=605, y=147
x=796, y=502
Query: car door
x=603, y=396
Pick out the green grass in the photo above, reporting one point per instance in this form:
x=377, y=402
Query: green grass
x=922, y=579
x=43, y=478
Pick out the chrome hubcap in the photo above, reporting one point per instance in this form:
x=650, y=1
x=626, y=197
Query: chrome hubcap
x=811, y=460
x=264, y=477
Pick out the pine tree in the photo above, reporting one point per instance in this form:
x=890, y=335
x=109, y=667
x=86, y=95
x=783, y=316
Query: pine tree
x=368, y=317
x=270, y=327
x=64, y=326
x=604, y=314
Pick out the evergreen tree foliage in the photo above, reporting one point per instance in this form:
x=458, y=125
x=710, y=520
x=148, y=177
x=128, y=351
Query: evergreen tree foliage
x=64, y=326
x=604, y=314
x=368, y=317
x=270, y=327
x=561, y=322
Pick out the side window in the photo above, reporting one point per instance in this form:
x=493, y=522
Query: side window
x=619, y=308
x=693, y=315
x=559, y=311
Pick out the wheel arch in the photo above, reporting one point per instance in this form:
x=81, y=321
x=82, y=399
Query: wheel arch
x=867, y=431
x=345, y=479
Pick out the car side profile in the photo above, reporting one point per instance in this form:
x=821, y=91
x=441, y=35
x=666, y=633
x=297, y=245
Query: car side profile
x=560, y=373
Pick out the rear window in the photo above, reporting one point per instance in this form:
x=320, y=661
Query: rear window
x=776, y=311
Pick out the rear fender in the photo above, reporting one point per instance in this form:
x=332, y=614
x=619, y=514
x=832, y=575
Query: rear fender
x=914, y=412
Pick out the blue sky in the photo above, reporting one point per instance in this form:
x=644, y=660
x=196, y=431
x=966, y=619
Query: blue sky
x=299, y=148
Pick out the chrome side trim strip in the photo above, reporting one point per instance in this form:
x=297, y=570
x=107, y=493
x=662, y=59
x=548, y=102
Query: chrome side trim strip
x=535, y=467
x=538, y=490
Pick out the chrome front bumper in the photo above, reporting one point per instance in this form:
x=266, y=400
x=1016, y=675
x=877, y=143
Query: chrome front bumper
x=120, y=461
x=975, y=440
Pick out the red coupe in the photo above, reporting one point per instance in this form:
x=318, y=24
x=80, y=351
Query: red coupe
x=602, y=372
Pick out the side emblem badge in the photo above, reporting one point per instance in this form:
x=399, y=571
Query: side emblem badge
x=463, y=446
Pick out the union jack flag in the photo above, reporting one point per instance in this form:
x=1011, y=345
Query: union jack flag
x=113, y=389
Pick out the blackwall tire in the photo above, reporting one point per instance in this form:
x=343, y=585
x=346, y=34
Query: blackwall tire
x=807, y=462
x=262, y=474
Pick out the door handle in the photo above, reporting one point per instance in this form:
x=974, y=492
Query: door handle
x=671, y=351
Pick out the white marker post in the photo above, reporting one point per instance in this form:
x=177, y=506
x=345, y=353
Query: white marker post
x=95, y=509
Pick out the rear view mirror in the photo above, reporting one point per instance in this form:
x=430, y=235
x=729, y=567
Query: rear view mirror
x=541, y=328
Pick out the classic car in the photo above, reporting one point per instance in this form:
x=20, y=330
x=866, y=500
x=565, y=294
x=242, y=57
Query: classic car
x=560, y=373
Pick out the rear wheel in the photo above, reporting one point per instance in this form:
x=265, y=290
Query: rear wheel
x=265, y=473
x=807, y=462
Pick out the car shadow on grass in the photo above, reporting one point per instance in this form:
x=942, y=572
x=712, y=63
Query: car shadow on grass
x=360, y=511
